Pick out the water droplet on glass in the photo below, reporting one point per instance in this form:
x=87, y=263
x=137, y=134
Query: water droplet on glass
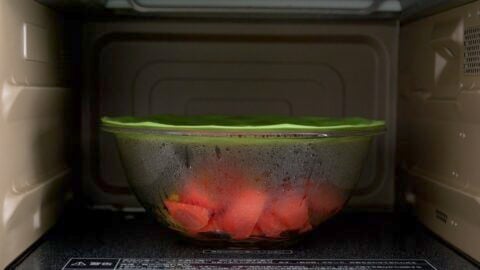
x=218, y=152
x=187, y=158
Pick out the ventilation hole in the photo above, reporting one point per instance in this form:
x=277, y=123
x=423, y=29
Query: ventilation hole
x=471, y=61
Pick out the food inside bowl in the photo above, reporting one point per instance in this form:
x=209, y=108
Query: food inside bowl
x=240, y=210
x=243, y=179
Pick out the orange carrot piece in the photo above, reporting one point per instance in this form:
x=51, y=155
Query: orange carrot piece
x=242, y=213
x=190, y=217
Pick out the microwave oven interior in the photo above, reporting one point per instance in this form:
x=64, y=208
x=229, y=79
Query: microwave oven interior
x=64, y=198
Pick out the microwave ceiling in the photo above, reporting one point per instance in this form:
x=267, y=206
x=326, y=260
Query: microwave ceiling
x=267, y=6
x=403, y=9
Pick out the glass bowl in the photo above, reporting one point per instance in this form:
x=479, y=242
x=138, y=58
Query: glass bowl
x=242, y=180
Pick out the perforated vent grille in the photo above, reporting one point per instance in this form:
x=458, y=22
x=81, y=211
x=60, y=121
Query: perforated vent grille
x=471, y=62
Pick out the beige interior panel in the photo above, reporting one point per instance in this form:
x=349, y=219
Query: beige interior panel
x=448, y=212
x=328, y=69
x=34, y=107
x=439, y=124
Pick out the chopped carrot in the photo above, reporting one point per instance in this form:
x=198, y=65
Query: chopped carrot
x=190, y=217
x=257, y=232
x=270, y=224
x=242, y=213
x=291, y=208
x=324, y=200
x=198, y=193
x=212, y=226
x=307, y=227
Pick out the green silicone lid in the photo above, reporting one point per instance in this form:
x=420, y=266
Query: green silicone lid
x=247, y=124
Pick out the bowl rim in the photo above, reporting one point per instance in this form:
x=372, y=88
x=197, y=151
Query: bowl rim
x=262, y=126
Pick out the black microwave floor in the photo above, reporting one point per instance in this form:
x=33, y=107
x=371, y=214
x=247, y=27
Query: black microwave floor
x=114, y=240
